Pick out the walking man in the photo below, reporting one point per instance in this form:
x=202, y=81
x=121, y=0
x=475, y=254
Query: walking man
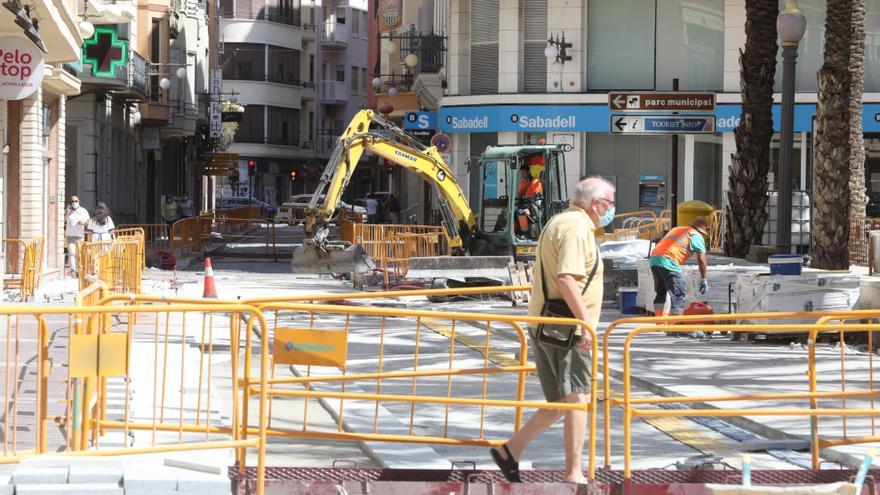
x=186, y=207
x=372, y=210
x=568, y=256
x=76, y=218
x=666, y=259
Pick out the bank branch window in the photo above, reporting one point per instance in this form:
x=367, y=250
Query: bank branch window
x=623, y=36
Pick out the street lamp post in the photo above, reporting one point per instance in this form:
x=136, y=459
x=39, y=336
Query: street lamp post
x=790, y=25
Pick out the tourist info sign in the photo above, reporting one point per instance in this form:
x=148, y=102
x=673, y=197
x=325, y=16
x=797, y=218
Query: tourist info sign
x=661, y=102
x=662, y=124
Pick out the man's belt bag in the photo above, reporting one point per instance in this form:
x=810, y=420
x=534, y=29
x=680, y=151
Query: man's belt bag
x=554, y=334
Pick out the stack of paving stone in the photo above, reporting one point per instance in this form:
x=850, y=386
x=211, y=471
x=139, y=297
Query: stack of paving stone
x=93, y=476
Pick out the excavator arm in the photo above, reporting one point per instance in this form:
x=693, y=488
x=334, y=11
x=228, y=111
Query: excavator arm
x=392, y=144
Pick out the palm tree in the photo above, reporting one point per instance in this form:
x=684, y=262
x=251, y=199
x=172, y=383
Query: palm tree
x=747, y=194
x=832, y=167
x=857, y=198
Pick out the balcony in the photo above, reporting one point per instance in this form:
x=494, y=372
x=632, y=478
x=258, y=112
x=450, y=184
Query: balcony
x=334, y=35
x=129, y=80
x=273, y=146
x=288, y=17
x=334, y=92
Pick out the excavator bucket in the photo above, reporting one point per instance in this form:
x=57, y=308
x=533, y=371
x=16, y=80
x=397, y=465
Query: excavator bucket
x=334, y=257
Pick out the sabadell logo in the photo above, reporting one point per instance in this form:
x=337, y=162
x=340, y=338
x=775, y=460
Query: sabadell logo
x=527, y=122
x=21, y=68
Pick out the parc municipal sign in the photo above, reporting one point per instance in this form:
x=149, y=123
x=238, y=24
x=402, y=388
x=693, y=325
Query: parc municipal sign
x=661, y=102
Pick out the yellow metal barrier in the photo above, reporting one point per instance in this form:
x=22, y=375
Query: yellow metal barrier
x=86, y=347
x=25, y=272
x=189, y=234
x=156, y=235
x=719, y=322
x=347, y=221
x=378, y=241
x=633, y=406
x=311, y=337
x=118, y=263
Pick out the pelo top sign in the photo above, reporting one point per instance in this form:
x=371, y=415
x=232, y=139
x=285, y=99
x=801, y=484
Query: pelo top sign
x=21, y=68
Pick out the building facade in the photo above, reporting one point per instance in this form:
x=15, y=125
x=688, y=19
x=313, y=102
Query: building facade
x=500, y=88
x=34, y=88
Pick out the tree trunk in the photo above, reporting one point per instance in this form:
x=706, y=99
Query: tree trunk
x=832, y=168
x=747, y=191
x=858, y=200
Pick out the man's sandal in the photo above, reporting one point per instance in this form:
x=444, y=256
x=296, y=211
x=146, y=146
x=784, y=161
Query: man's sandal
x=509, y=467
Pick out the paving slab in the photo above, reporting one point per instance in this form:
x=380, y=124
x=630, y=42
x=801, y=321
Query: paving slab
x=34, y=475
x=81, y=489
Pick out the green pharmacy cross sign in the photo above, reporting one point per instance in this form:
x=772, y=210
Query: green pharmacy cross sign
x=105, y=52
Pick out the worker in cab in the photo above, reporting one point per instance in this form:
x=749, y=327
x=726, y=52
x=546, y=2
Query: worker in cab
x=668, y=256
x=528, y=202
x=529, y=185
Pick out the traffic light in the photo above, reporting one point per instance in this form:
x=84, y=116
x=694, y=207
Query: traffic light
x=252, y=167
x=292, y=175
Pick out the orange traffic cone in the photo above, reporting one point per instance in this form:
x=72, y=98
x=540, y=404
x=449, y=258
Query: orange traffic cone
x=210, y=288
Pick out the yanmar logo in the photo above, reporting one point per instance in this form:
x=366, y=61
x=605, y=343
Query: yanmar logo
x=559, y=122
x=405, y=156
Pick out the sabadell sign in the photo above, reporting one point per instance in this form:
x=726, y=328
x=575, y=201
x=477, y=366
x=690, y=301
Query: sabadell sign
x=21, y=68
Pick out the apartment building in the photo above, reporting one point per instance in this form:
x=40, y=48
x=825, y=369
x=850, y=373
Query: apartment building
x=34, y=87
x=298, y=69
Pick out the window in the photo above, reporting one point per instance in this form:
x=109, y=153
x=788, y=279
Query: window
x=340, y=73
x=311, y=68
x=621, y=46
x=47, y=125
x=285, y=64
x=355, y=23
x=534, y=29
x=484, y=47
x=353, y=80
x=251, y=129
x=340, y=14
x=364, y=81
x=155, y=56
x=244, y=61
x=283, y=126
x=311, y=126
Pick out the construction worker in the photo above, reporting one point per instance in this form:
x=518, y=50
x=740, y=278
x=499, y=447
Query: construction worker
x=666, y=259
x=529, y=185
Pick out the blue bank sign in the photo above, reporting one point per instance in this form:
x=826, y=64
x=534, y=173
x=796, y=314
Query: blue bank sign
x=596, y=118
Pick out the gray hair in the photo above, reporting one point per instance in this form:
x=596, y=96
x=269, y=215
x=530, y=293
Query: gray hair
x=589, y=188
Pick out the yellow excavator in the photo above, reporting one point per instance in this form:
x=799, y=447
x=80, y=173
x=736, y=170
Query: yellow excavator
x=507, y=227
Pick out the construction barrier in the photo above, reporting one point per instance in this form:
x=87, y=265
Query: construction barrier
x=347, y=221
x=717, y=224
x=391, y=246
x=189, y=234
x=805, y=403
x=118, y=263
x=24, y=265
x=156, y=235
x=63, y=365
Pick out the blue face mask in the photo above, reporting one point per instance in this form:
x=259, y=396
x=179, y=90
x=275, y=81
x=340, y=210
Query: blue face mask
x=607, y=217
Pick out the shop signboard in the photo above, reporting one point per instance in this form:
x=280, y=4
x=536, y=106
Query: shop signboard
x=21, y=68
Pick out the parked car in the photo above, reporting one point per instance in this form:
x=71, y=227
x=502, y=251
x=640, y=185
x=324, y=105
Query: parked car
x=266, y=210
x=293, y=212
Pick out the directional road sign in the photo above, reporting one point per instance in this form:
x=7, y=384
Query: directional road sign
x=662, y=124
x=662, y=102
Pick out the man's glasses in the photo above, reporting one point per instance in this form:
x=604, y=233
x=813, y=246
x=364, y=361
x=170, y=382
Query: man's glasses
x=608, y=203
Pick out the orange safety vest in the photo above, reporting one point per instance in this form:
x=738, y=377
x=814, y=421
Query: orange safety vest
x=529, y=188
x=676, y=245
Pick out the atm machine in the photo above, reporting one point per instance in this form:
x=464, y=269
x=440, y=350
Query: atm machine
x=652, y=193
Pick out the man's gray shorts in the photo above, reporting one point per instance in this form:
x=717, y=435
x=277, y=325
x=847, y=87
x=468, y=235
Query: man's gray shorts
x=562, y=371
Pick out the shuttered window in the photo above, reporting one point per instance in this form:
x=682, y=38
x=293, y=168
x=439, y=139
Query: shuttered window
x=484, y=47
x=534, y=29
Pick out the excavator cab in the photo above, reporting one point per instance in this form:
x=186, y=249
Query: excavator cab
x=522, y=188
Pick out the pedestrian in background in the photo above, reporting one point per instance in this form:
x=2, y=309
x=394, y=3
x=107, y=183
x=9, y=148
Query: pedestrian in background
x=101, y=225
x=169, y=210
x=392, y=210
x=185, y=207
x=568, y=283
x=372, y=210
x=76, y=218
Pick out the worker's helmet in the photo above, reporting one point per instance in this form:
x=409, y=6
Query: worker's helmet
x=699, y=223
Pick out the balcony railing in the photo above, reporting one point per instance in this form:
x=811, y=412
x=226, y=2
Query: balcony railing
x=335, y=33
x=133, y=75
x=334, y=91
x=292, y=18
x=288, y=79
